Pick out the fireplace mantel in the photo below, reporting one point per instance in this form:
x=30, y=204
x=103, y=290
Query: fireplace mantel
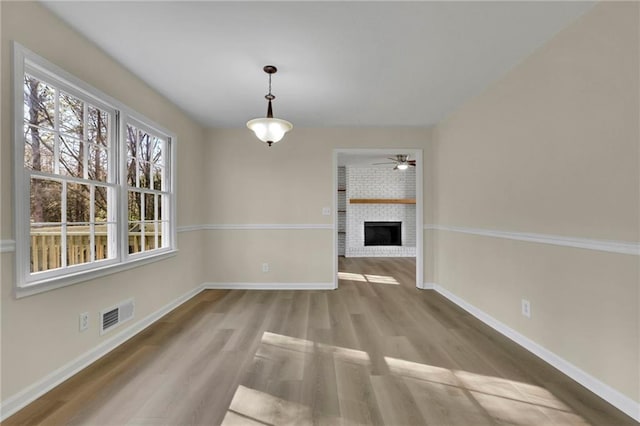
x=382, y=200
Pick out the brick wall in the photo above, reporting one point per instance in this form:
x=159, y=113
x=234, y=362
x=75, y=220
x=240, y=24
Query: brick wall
x=370, y=182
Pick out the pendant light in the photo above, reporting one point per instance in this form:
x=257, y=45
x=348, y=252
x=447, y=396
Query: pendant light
x=269, y=129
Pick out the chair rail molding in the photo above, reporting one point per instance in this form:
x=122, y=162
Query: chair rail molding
x=7, y=246
x=621, y=247
x=255, y=227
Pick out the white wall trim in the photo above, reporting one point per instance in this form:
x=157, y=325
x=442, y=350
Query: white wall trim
x=189, y=228
x=620, y=247
x=18, y=401
x=604, y=391
x=270, y=286
x=7, y=246
x=257, y=226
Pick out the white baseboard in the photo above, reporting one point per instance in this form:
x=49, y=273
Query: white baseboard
x=428, y=286
x=18, y=401
x=270, y=286
x=604, y=391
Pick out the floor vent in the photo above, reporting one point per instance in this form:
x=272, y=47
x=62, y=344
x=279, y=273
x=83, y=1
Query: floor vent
x=116, y=315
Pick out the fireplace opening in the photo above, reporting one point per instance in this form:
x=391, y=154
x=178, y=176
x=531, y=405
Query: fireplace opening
x=383, y=233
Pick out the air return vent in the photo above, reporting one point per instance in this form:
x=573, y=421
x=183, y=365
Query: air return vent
x=114, y=316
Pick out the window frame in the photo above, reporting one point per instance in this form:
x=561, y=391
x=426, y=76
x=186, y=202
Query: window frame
x=169, y=179
x=25, y=283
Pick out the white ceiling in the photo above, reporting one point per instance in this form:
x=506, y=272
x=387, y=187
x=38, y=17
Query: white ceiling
x=340, y=63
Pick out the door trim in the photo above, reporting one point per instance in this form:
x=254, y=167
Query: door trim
x=417, y=155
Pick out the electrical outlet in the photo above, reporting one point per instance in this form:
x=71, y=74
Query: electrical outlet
x=526, y=308
x=84, y=321
x=326, y=211
x=265, y=267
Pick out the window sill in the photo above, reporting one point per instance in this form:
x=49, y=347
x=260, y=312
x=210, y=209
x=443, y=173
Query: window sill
x=67, y=280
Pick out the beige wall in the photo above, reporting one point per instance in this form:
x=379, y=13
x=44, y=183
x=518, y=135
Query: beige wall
x=40, y=332
x=552, y=148
x=289, y=183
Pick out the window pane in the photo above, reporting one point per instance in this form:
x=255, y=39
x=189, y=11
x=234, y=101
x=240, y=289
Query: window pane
x=149, y=207
x=149, y=235
x=144, y=140
x=97, y=163
x=158, y=173
x=71, y=115
x=45, y=200
x=38, y=149
x=78, y=203
x=39, y=103
x=101, y=203
x=157, y=150
x=131, y=172
x=135, y=237
x=97, y=126
x=78, y=244
x=102, y=240
x=45, y=247
x=135, y=208
x=71, y=157
x=132, y=138
x=161, y=199
x=144, y=170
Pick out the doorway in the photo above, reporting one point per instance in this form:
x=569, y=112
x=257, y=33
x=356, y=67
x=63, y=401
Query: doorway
x=370, y=159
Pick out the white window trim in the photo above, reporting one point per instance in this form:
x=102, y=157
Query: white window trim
x=24, y=286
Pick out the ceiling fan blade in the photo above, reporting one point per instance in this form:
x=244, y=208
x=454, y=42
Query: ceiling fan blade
x=377, y=164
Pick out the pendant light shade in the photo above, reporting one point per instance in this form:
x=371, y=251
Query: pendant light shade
x=269, y=129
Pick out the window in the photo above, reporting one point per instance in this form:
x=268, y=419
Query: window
x=147, y=194
x=93, y=180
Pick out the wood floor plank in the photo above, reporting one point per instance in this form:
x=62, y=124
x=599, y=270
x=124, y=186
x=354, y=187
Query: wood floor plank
x=395, y=402
x=441, y=403
x=375, y=351
x=356, y=396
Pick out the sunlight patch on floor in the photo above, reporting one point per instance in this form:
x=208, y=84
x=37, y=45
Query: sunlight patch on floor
x=400, y=367
x=368, y=278
x=474, y=395
x=306, y=346
x=287, y=342
x=510, y=400
x=253, y=407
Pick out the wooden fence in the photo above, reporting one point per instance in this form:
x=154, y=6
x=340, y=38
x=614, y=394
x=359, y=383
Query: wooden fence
x=46, y=248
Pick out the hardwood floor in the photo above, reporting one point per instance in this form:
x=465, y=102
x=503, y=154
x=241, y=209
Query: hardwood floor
x=375, y=351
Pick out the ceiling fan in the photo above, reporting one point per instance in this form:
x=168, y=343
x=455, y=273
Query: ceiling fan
x=401, y=162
